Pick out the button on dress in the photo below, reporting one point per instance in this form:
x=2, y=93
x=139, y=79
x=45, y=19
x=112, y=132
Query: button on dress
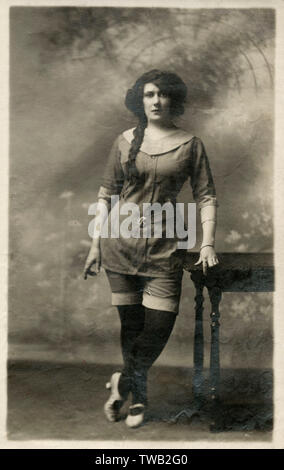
x=163, y=166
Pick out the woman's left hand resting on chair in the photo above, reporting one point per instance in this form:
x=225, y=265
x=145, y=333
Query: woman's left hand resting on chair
x=208, y=256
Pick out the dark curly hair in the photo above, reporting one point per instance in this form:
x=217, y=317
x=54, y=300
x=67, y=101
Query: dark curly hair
x=170, y=84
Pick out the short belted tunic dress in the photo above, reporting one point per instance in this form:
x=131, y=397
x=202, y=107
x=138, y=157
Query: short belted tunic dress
x=164, y=166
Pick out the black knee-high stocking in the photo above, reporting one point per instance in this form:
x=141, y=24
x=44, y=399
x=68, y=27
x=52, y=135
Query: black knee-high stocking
x=142, y=345
x=132, y=323
x=148, y=346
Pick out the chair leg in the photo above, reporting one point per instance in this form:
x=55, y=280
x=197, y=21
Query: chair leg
x=198, y=352
x=215, y=295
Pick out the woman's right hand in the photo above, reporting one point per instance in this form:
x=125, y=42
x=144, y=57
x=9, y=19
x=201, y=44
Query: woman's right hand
x=93, y=259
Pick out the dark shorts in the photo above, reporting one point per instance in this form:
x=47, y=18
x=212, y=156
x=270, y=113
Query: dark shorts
x=160, y=293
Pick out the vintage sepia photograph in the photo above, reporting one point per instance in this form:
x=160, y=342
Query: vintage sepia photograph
x=141, y=274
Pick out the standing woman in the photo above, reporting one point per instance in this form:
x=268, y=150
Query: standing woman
x=149, y=164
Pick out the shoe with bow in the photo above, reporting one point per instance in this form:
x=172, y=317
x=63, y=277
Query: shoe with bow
x=114, y=403
x=135, y=416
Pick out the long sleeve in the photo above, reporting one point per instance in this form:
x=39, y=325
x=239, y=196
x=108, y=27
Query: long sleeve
x=113, y=178
x=202, y=184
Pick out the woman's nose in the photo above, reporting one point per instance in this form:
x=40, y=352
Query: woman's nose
x=156, y=99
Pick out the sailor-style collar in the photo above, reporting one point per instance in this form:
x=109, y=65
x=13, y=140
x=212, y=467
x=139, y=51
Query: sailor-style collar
x=162, y=145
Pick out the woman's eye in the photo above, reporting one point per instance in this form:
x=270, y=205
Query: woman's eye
x=150, y=94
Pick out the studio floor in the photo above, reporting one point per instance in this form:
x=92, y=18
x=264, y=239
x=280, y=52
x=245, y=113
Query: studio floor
x=53, y=401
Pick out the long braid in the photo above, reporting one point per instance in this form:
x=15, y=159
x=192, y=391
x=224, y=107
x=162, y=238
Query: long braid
x=136, y=143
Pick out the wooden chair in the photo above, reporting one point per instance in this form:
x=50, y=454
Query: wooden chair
x=236, y=272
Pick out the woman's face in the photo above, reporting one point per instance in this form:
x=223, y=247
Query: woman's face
x=156, y=104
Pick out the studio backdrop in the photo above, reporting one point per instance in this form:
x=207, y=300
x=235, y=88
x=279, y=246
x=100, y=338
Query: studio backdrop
x=69, y=71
